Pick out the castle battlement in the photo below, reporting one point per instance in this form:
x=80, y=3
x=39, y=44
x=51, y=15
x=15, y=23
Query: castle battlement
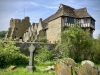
x=19, y=20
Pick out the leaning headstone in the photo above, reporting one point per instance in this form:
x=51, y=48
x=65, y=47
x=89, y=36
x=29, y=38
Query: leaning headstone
x=87, y=69
x=62, y=69
x=31, y=59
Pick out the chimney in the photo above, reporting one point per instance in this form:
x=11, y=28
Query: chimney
x=40, y=19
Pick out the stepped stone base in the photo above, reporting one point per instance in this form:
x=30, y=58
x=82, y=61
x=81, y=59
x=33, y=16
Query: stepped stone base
x=31, y=68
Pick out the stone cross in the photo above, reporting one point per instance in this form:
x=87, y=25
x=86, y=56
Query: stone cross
x=31, y=49
x=31, y=59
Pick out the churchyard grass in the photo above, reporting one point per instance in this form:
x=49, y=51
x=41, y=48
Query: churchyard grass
x=23, y=71
x=39, y=66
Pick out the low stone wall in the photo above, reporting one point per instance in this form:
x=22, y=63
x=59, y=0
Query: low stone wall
x=25, y=45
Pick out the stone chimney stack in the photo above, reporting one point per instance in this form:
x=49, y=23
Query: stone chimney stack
x=40, y=19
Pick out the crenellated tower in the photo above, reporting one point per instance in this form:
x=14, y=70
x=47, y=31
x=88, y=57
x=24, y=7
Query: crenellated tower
x=18, y=27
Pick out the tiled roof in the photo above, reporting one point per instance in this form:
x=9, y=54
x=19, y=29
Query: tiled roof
x=68, y=11
x=65, y=10
x=81, y=13
x=56, y=15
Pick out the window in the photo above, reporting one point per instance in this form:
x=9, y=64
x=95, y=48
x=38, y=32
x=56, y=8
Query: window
x=92, y=22
x=85, y=20
x=20, y=37
x=16, y=28
x=70, y=20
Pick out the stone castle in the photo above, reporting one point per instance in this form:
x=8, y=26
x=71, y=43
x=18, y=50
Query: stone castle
x=52, y=26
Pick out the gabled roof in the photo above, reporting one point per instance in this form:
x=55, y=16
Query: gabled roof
x=65, y=10
x=81, y=13
x=56, y=15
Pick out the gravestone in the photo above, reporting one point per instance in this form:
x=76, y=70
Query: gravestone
x=99, y=70
x=62, y=69
x=70, y=62
x=87, y=61
x=11, y=68
x=31, y=59
x=87, y=69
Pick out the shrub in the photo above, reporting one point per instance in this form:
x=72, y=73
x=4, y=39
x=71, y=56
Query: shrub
x=43, y=54
x=10, y=55
x=42, y=39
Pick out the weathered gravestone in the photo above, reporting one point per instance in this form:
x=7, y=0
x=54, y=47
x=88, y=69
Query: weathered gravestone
x=11, y=68
x=31, y=59
x=87, y=61
x=62, y=69
x=71, y=62
x=99, y=70
x=87, y=69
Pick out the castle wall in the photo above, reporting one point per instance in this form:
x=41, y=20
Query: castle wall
x=30, y=34
x=54, y=30
x=18, y=27
x=39, y=26
x=9, y=32
x=22, y=27
x=34, y=32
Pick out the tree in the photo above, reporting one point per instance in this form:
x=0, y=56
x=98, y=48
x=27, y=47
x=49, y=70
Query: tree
x=75, y=44
x=95, y=50
x=2, y=34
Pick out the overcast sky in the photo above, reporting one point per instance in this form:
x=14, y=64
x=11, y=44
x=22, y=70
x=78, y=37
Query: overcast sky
x=36, y=9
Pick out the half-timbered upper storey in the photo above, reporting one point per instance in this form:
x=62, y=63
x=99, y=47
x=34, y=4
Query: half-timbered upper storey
x=73, y=16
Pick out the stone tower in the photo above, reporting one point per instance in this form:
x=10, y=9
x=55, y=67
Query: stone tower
x=18, y=27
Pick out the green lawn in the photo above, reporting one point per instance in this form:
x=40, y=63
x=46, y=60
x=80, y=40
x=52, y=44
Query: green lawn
x=23, y=71
x=39, y=67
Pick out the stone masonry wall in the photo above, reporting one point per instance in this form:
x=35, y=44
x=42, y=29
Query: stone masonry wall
x=18, y=27
x=25, y=45
x=54, y=29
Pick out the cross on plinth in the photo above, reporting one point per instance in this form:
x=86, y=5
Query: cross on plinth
x=31, y=59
